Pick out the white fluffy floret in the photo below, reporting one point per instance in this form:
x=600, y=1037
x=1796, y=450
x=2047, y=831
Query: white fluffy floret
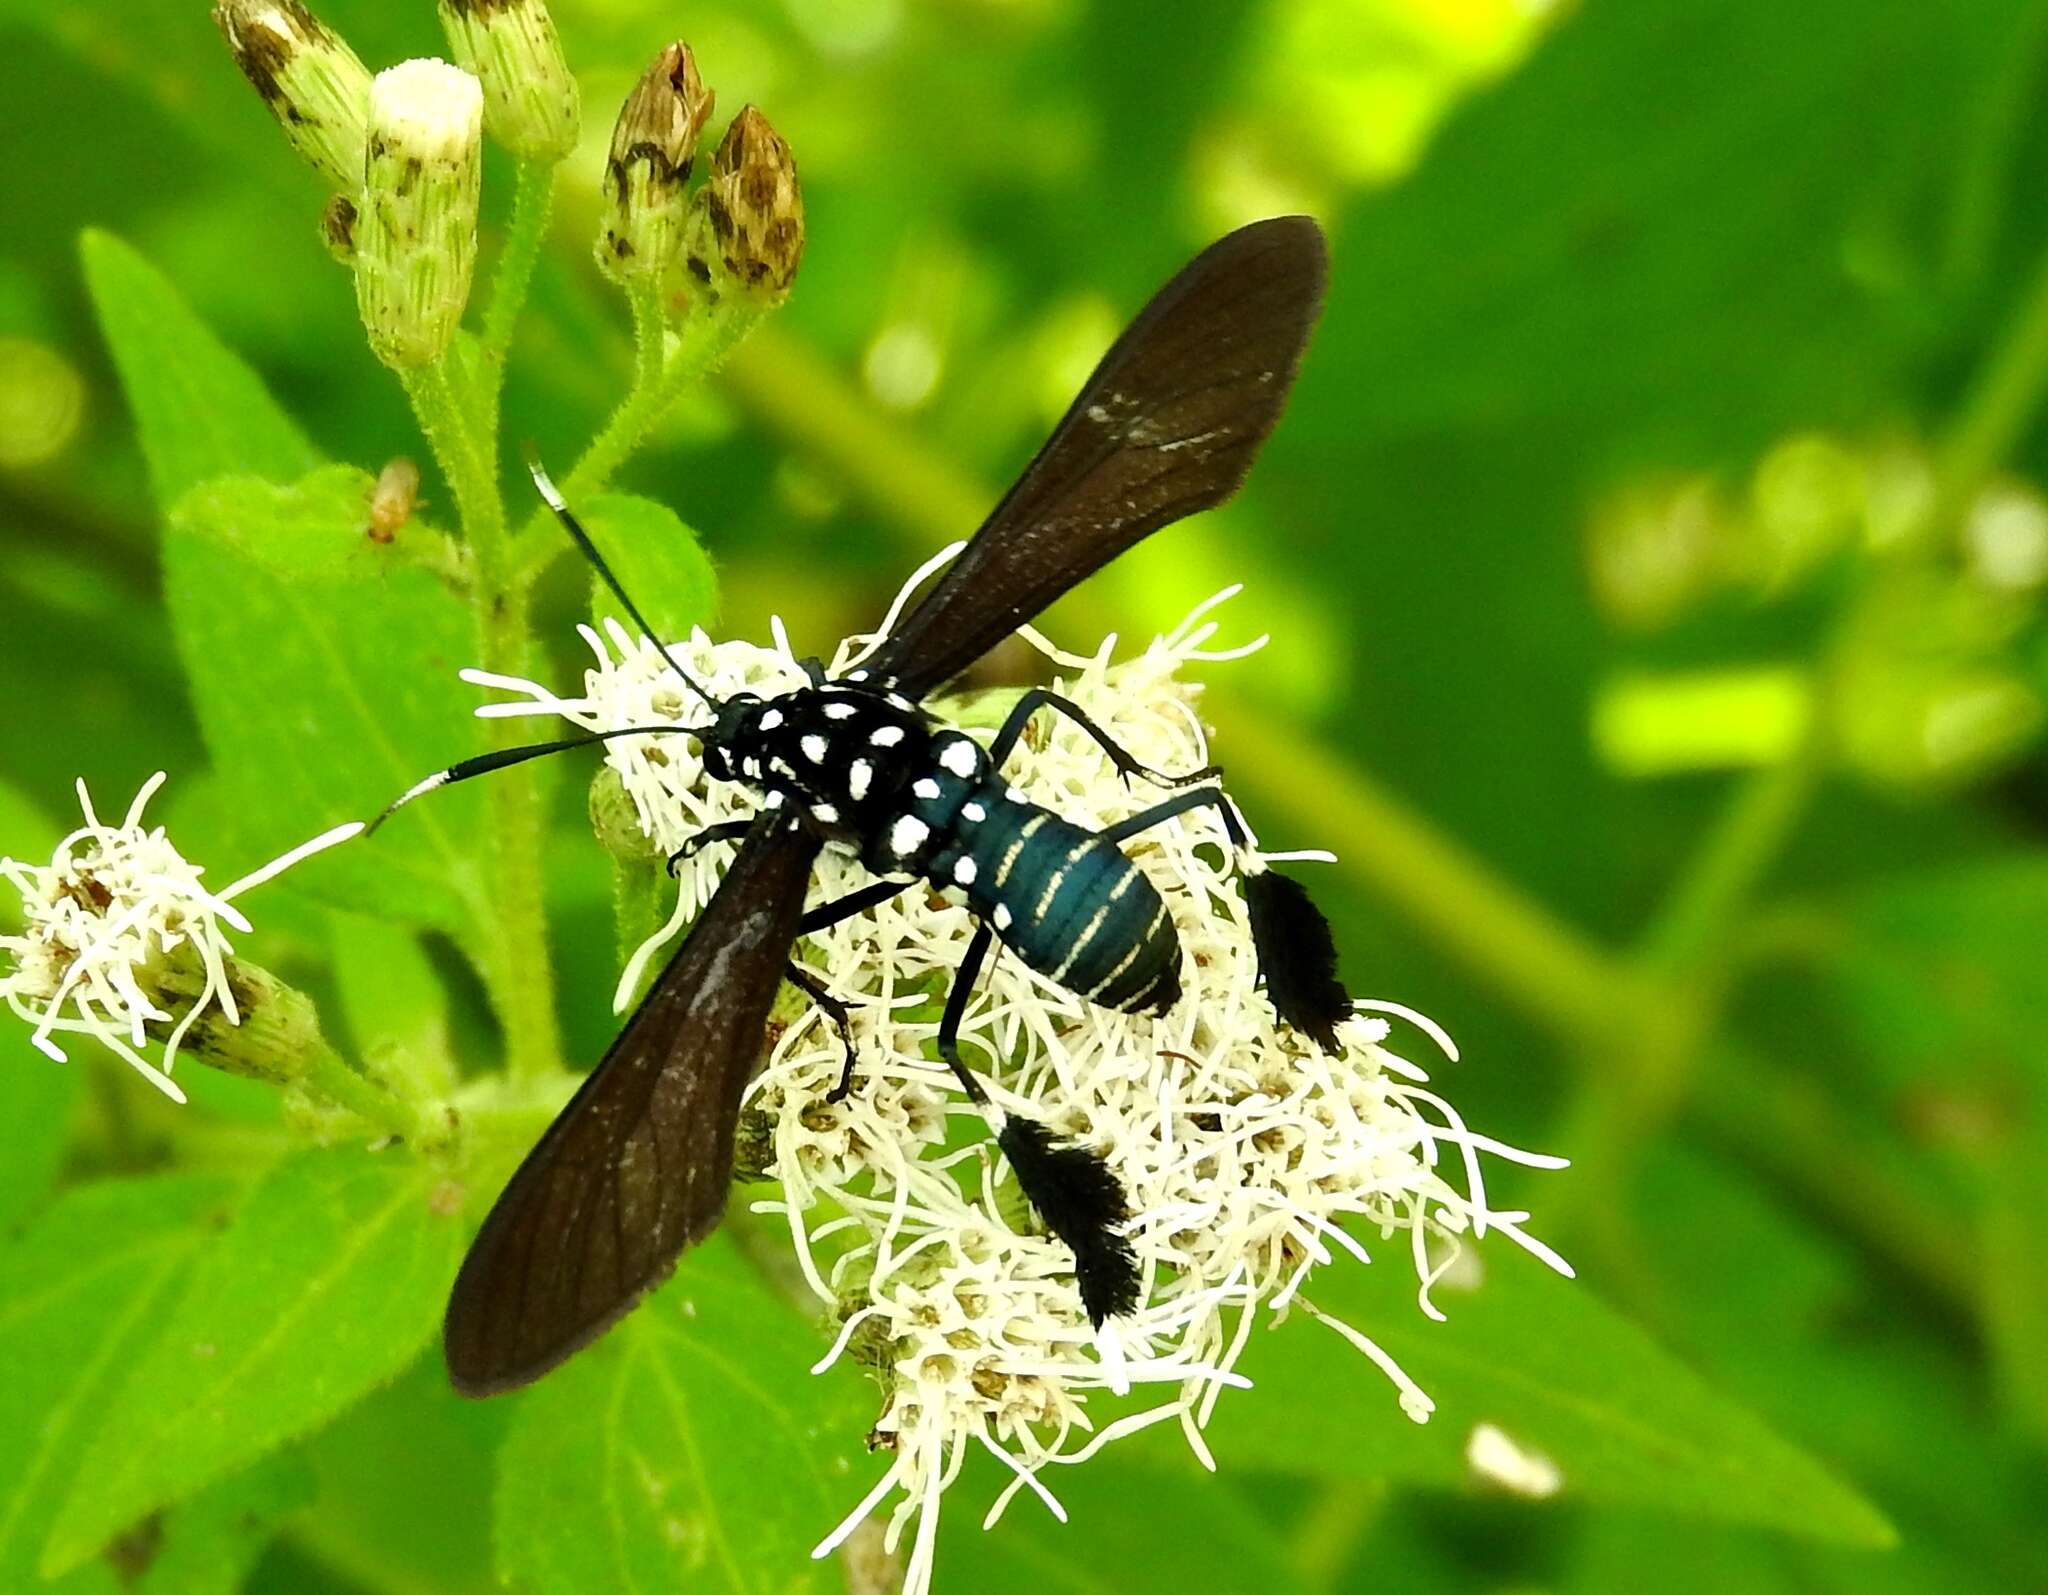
x=1243, y=1149
x=100, y=919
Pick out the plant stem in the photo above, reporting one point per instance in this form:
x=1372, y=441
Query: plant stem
x=517, y=970
x=1736, y=854
x=532, y=201
x=702, y=345
x=328, y=1076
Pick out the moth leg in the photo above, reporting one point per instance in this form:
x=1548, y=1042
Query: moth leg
x=1126, y=766
x=1297, y=954
x=723, y=831
x=835, y=1009
x=956, y=1010
x=852, y=903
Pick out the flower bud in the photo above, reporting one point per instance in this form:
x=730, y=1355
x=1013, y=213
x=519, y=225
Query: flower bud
x=311, y=80
x=416, y=235
x=530, y=100
x=746, y=231
x=653, y=145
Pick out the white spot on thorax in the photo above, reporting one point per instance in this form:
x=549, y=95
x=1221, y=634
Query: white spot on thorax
x=907, y=835
x=1001, y=917
x=958, y=757
x=840, y=709
x=963, y=872
x=886, y=736
x=925, y=787
x=973, y=812
x=859, y=775
x=814, y=749
x=771, y=719
x=774, y=800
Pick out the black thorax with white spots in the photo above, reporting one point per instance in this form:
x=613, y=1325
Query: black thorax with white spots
x=867, y=769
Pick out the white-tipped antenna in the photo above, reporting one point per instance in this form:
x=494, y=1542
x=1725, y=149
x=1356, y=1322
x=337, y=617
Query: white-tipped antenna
x=504, y=758
x=552, y=496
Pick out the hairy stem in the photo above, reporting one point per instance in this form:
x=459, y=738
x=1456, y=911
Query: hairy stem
x=532, y=202
x=416, y=1123
x=516, y=967
x=700, y=348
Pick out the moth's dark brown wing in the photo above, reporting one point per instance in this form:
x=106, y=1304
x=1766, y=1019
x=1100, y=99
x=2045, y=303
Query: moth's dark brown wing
x=1167, y=425
x=637, y=1166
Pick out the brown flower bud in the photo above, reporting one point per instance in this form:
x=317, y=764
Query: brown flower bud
x=653, y=145
x=747, y=222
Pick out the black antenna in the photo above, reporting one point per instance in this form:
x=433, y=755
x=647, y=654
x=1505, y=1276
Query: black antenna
x=504, y=758
x=553, y=497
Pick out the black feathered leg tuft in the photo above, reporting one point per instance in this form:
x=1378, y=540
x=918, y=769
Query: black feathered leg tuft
x=1081, y=1202
x=1297, y=956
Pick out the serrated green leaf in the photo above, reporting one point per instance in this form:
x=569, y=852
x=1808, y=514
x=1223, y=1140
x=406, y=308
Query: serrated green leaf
x=199, y=410
x=208, y=1545
x=1540, y=1359
x=656, y=558
x=82, y=1293
x=689, y=1450
x=325, y=1285
x=327, y=684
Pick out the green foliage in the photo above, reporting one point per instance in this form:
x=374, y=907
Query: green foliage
x=324, y=1285
x=85, y=1289
x=324, y=675
x=651, y=552
x=1625, y=1422
x=687, y=1452
x=199, y=411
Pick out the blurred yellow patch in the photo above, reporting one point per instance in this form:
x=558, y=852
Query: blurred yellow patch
x=42, y=401
x=1652, y=725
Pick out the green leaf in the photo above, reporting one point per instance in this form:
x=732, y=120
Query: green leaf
x=688, y=1450
x=656, y=558
x=405, y=1487
x=208, y=1545
x=1131, y=1526
x=394, y=1002
x=1942, y=982
x=326, y=1285
x=324, y=671
x=200, y=411
x=83, y=1294
x=1540, y=1359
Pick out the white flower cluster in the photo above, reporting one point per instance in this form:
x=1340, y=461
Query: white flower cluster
x=1241, y=1146
x=100, y=919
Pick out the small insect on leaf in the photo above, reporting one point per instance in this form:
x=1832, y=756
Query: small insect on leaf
x=393, y=499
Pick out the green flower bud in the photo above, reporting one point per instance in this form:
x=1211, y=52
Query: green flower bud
x=530, y=100
x=746, y=230
x=311, y=80
x=416, y=235
x=653, y=145
x=273, y=1034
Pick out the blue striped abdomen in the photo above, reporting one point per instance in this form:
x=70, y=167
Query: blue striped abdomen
x=1071, y=906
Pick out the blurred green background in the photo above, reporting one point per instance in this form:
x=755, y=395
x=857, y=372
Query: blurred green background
x=1653, y=553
